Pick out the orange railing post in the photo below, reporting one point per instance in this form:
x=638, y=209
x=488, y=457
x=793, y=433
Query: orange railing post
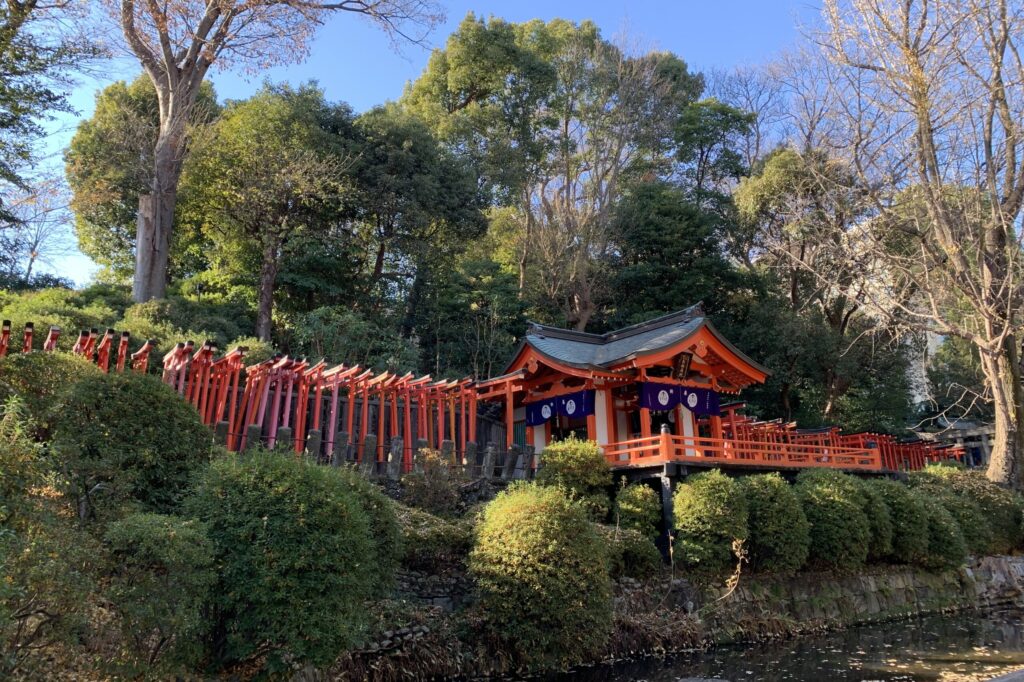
x=665, y=443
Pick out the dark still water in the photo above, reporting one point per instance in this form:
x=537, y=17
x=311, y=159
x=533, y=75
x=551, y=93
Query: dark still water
x=953, y=648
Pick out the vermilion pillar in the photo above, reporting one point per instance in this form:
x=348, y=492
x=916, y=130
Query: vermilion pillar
x=509, y=416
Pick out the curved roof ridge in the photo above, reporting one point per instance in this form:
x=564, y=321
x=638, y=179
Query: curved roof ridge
x=685, y=315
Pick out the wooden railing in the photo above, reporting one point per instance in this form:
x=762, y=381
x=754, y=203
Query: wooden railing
x=667, y=447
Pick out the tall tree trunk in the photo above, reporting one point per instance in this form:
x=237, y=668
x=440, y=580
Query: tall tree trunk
x=268, y=282
x=1003, y=373
x=156, y=216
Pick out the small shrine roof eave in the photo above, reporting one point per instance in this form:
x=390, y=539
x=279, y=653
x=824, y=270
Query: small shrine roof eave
x=606, y=353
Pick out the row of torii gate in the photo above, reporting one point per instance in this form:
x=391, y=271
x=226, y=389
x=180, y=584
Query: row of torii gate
x=313, y=407
x=289, y=402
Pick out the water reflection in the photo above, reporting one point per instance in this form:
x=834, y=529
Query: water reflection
x=959, y=647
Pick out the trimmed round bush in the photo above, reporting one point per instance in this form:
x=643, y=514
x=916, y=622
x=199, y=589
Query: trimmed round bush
x=295, y=560
x=1003, y=508
x=638, y=507
x=578, y=466
x=162, y=575
x=779, y=534
x=630, y=553
x=840, y=532
x=879, y=522
x=946, y=545
x=126, y=437
x=540, y=574
x=710, y=515
x=39, y=378
x=909, y=521
x=385, y=530
x=967, y=513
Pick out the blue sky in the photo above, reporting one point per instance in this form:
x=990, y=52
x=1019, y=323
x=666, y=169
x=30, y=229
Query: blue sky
x=353, y=61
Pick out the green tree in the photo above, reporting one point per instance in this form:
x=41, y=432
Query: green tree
x=109, y=164
x=177, y=42
x=469, y=318
x=268, y=172
x=556, y=120
x=669, y=255
x=416, y=202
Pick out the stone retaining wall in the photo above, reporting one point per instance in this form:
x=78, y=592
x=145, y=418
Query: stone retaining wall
x=449, y=590
x=815, y=601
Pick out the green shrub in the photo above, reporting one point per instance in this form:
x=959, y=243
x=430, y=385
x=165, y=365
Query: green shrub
x=540, y=573
x=710, y=514
x=295, y=560
x=64, y=308
x=909, y=521
x=780, y=538
x=967, y=513
x=840, y=532
x=346, y=335
x=126, y=437
x=1003, y=509
x=256, y=350
x=385, y=530
x=434, y=488
x=946, y=545
x=21, y=462
x=871, y=503
x=162, y=575
x=630, y=553
x=176, y=318
x=39, y=378
x=879, y=522
x=578, y=466
x=432, y=543
x=48, y=566
x=638, y=507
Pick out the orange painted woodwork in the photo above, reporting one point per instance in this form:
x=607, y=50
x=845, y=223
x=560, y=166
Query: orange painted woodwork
x=550, y=363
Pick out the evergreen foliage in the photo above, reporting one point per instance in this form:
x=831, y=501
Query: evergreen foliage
x=127, y=438
x=295, y=560
x=710, y=514
x=49, y=567
x=779, y=539
x=630, y=553
x=909, y=521
x=1003, y=509
x=638, y=507
x=580, y=468
x=38, y=379
x=162, y=572
x=946, y=545
x=541, y=577
x=431, y=543
x=385, y=530
x=879, y=520
x=840, y=532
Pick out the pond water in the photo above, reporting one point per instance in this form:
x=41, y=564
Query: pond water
x=952, y=648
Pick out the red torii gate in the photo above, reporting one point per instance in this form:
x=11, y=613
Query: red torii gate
x=287, y=393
